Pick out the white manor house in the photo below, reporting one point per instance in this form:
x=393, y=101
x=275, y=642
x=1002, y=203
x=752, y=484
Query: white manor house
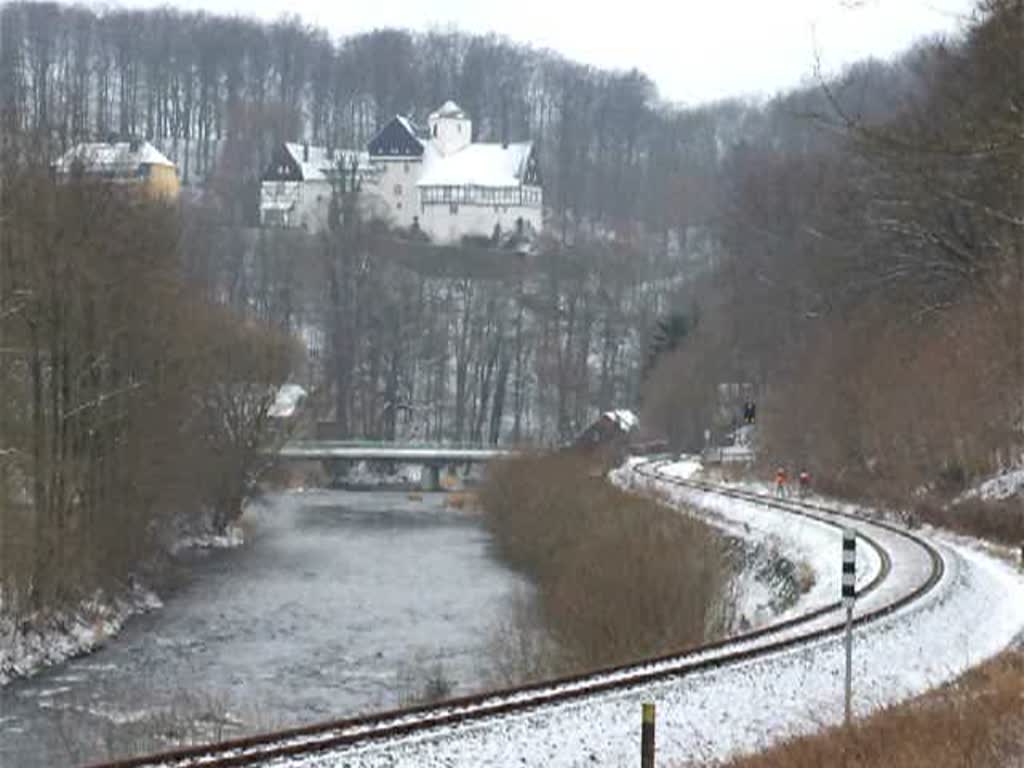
x=438, y=181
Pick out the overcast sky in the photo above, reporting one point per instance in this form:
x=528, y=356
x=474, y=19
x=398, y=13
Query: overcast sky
x=695, y=50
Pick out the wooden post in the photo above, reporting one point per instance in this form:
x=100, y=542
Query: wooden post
x=647, y=737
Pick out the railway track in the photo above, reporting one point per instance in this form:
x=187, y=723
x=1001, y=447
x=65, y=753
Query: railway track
x=426, y=720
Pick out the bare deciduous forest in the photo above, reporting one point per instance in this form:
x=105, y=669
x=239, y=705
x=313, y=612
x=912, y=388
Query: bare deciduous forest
x=870, y=250
x=851, y=250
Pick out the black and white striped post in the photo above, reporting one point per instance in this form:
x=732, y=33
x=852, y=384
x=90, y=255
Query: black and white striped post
x=647, y=736
x=849, y=595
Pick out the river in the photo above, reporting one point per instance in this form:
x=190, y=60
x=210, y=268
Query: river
x=339, y=602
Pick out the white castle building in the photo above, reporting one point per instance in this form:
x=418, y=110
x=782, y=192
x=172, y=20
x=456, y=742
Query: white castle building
x=296, y=188
x=438, y=181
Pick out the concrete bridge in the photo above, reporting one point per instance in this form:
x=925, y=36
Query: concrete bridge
x=434, y=458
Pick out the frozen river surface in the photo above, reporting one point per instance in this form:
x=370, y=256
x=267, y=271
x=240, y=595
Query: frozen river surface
x=337, y=604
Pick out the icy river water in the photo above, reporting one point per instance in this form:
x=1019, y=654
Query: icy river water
x=336, y=605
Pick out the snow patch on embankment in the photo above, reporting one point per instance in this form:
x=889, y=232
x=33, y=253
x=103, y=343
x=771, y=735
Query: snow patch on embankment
x=996, y=488
x=29, y=643
x=363, y=475
x=779, y=552
x=43, y=639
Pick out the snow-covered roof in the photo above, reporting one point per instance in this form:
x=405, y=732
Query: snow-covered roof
x=121, y=157
x=320, y=165
x=414, y=130
x=622, y=418
x=482, y=165
x=286, y=401
x=449, y=109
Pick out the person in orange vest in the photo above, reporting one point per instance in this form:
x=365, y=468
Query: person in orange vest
x=805, y=482
x=780, y=482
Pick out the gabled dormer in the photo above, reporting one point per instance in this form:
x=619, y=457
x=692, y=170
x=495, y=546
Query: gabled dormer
x=283, y=166
x=531, y=170
x=398, y=138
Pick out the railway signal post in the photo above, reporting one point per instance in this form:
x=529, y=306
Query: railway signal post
x=849, y=594
x=647, y=736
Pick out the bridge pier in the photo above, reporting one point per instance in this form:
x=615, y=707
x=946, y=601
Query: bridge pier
x=335, y=469
x=431, y=478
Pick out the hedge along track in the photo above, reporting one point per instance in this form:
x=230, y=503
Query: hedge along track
x=465, y=710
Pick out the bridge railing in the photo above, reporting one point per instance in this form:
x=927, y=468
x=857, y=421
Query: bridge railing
x=392, y=444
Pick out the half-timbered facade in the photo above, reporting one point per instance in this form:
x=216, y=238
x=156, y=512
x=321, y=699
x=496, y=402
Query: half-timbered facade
x=436, y=180
x=483, y=190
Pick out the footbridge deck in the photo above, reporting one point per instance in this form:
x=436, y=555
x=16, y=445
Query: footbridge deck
x=432, y=457
x=412, y=453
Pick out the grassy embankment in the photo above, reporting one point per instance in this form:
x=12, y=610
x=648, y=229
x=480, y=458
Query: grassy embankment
x=996, y=520
x=618, y=577
x=977, y=722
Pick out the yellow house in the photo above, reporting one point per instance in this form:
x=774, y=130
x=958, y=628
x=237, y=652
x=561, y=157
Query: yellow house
x=136, y=163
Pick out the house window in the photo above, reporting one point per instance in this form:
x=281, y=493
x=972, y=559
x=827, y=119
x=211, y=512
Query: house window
x=453, y=208
x=405, y=167
x=435, y=130
x=398, y=205
x=398, y=189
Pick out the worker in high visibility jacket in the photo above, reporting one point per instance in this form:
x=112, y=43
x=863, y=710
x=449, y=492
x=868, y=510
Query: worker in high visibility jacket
x=805, y=482
x=780, y=482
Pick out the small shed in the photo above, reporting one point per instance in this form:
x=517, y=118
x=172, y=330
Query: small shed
x=612, y=428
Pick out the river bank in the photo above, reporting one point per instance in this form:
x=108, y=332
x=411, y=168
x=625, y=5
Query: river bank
x=338, y=603
x=30, y=644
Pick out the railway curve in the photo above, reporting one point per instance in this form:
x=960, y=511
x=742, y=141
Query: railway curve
x=340, y=741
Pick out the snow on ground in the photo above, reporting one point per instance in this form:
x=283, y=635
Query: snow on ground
x=975, y=611
x=1001, y=486
x=684, y=469
x=34, y=642
x=40, y=641
x=233, y=537
x=813, y=548
x=362, y=475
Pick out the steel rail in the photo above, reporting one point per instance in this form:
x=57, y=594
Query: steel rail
x=393, y=724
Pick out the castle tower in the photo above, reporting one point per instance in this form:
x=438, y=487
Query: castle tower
x=450, y=128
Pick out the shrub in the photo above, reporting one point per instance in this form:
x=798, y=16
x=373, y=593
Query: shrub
x=619, y=576
x=1001, y=521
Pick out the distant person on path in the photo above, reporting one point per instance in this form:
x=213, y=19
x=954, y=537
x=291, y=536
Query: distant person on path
x=780, y=483
x=805, y=483
x=749, y=412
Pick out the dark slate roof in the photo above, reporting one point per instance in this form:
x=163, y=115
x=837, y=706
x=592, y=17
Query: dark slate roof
x=399, y=137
